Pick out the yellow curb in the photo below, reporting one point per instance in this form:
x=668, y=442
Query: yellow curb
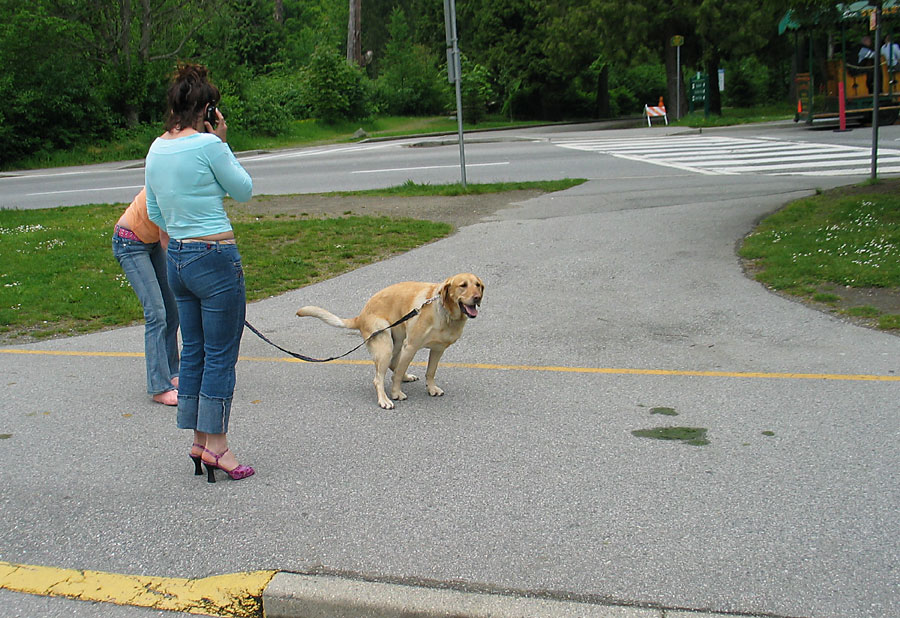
x=235, y=595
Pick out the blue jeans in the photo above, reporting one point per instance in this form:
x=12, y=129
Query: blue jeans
x=208, y=281
x=145, y=266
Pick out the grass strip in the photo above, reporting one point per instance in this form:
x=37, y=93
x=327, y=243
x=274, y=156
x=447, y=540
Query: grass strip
x=848, y=238
x=59, y=276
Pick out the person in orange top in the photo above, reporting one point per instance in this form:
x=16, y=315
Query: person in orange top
x=140, y=247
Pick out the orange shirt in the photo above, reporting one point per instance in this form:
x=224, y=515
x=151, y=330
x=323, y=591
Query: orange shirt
x=136, y=220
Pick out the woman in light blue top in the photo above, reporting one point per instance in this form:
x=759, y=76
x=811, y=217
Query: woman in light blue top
x=189, y=170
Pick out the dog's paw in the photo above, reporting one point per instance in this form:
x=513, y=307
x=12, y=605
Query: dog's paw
x=387, y=404
x=410, y=378
x=398, y=395
x=434, y=391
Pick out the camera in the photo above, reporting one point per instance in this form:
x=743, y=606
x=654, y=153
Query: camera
x=211, y=116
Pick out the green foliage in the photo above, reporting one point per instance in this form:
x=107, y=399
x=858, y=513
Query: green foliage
x=634, y=87
x=336, y=91
x=252, y=37
x=266, y=105
x=749, y=82
x=475, y=90
x=48, y=98
x=309, y=24
x=85, y=69
x=410, y=82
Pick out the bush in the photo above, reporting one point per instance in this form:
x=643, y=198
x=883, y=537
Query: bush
x=746, y=83
x=266, y=104
x=256, y=109
x=335, y=90
x=475, y=90
x=622, y=102
x=36, y=118
x=633, y=88
x=411, y=82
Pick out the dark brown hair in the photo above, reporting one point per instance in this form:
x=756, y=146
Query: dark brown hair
x=189, y=94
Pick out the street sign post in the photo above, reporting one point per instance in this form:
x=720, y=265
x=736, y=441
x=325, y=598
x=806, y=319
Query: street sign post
x=454, y=70
x=677, y=42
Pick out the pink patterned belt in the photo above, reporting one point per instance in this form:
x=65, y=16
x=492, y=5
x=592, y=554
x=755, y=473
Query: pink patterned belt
x=122, y=232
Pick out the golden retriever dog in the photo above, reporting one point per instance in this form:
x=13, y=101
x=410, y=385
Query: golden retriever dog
x=445, y=308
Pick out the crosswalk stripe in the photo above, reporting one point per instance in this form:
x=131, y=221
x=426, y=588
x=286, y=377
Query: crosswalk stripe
x=728, y=155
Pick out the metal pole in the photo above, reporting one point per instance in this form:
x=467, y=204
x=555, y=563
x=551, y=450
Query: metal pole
x=876, y=83
x=678, y=82
x=450, y=17
x=809, y=119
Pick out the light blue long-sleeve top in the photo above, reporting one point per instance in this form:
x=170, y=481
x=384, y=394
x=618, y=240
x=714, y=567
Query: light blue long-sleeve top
x=186, y=180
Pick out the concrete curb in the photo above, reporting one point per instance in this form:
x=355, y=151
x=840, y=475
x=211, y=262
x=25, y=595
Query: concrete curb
x=294, y=595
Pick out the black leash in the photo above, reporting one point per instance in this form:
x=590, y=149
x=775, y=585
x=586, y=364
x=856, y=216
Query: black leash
x=308, y=359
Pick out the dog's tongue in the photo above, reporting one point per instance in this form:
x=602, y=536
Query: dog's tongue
x=471, y=311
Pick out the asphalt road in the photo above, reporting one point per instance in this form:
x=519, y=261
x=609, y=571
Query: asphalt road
x=604, y=304
x=495, y=156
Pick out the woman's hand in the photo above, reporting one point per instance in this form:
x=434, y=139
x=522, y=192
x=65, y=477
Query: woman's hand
x=221, y=129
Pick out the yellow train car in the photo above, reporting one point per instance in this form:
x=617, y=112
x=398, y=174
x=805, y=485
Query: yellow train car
x=836, y=82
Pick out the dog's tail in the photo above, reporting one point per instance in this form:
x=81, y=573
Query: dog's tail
x=327, y=317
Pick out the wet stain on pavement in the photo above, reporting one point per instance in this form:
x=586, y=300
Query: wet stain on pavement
x=695, y=436
x=664, y=411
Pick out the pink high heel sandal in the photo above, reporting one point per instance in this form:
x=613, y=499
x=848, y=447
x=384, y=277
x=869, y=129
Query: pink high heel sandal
x=237, y=473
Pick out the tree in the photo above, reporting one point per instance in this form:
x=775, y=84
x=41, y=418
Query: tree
x=48, y=94
x=244, y=36
x=123, y=38
x=410, y=82
x=354, y=34
x=721, y=40
x=309, y=24
x=336, y=89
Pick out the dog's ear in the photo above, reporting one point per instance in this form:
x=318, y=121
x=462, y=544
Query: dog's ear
x=444, y=291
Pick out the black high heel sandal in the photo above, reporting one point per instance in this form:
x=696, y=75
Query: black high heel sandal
x=198, y=460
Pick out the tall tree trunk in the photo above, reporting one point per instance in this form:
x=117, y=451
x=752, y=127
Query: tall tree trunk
x=279, y=11
x=674, y=82
x=602, y=103
x=123, y=60
x=146, y=32
x=354, y=34
x=715, y=97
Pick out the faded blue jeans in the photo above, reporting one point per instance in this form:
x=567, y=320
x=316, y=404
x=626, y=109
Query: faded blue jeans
x=145, y=266
x=208, y=282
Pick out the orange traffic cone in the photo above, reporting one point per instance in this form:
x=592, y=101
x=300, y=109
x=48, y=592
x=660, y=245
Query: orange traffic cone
x=661, y=104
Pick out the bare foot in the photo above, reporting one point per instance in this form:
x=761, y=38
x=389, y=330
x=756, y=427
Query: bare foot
x=169, y=398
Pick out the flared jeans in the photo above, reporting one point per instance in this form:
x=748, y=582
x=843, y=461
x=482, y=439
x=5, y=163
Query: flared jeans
x=145, y=266
x=208, y=282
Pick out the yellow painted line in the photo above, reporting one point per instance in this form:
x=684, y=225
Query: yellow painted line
x=76, y=353
x=544, y=368
x=235, y=595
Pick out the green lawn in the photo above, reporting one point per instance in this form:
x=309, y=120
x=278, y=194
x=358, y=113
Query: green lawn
x=58, y=275
x=846, y=238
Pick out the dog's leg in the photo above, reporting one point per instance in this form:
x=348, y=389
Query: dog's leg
x=380, y=349
x=398, y=346
x=407, y=352
x=434, y=357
